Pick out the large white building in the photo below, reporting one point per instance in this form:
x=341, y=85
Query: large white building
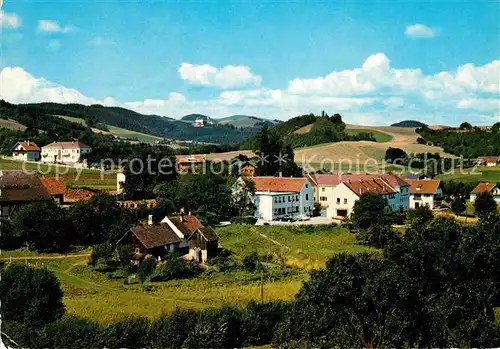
x=339, y=202
x=26, y=151
x=278, y=196
x=425, y=192
x=64, y=152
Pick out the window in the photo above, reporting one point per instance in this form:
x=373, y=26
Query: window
x=289, y=199
x=307, y=185
x=275, y=200
x=297, y=197
x=323, y=189
x=307, y=196
x=345, y=201
x=338, y=200
x=323, y=198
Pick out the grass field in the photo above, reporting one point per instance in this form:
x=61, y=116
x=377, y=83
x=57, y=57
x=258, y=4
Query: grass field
x=93, y=295
x=479, y=174
x=74, y=177
x=11, y=124
x=381, y=137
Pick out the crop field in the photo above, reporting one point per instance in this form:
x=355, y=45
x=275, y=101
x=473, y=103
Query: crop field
x=479, y=174
x=74, y=177
x=12, y=124
x=94, y=295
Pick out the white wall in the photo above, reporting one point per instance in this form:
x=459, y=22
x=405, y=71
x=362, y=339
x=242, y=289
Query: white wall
x=65, y=156
x=342, y=199
x=424, y=200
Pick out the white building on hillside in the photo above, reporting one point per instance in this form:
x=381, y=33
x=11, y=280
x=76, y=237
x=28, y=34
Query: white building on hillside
x=26, y=151
x=425, y=192
x=64, y=152
x=278, y=196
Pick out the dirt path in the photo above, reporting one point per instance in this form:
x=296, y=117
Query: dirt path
x=46, y=257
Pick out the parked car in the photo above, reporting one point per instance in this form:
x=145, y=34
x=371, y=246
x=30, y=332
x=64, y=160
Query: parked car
x=288, y=218
x=303, y=217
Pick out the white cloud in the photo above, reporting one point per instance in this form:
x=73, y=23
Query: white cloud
x=50, y=26
x=100, y=41
x=420, y=31
x=226, y=77
x=373, y=93
x=9, y=20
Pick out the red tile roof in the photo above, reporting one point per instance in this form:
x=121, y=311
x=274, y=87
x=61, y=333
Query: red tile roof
x=375, y=186
x=183, y=159
x=54, y=186
x=483, y=187
x=490, y=159
x=29, y=146
x=66, y=145
x=278, y=184
x=337, y=178
x=424, y=186
x=73, y=195
x=187, y=225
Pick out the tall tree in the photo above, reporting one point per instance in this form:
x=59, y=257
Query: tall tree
x=484, y=204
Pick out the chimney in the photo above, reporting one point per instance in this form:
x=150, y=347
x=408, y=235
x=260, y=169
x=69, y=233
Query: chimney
x=189, y=213
x=280, y=174
x=150, y=219
x=181, y=215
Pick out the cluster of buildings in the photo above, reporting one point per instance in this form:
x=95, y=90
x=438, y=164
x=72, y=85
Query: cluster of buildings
x=69, y=153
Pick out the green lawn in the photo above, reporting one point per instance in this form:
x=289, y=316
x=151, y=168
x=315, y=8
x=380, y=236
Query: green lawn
x=480, y=174
x=121, y=132
x=93, y=295
x=74, y=177
x=381, y=137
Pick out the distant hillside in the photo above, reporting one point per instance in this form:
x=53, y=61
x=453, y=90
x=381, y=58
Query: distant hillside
x=194, y=117
x=409, y=123
x=245, y=121
x=155, y=125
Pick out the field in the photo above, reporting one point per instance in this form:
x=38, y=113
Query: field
x=381, y=137
x=479, y=174
x=93, y=295
x=74, y=177
x=11, y=124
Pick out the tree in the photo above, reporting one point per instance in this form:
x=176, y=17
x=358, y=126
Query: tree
x=465, y=126
x=484, y=204
x=458, y=205
x=44, y=226
x=394, y=154
x=243, y=191
x=31, y=296
x=420, y=215
x=370, y=210
x=495, y=128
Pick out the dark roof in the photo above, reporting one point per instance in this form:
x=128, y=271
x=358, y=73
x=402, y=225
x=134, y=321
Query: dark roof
x=16, y=186
x=208, y=234
x=415, y=176
x=156, y=235
x=188, y=225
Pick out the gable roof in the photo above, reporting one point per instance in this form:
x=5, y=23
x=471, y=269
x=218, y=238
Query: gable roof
x=54, y=186
x=424, y=186
x=28, y=146
x=207, y=233
x=188, y=224
x=73, y=195
x=490, y=159
x=484, y=187
x=335, y=179
x=66, y=145
x=278, y=184
x=374, y=186
x=21, y=186
x=152, y=236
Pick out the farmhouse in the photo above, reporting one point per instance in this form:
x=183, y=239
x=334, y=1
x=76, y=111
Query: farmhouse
x=324, y=190
x=56, y=188
x=425, y=192
x=26, y=151
x=18, y=188
x=491, y=188
x=184, y=162
x=173, y=234
x=490, y=160
x=64, y=152
x=350, y=190
x=277, y=196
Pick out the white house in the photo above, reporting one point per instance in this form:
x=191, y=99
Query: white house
x=491, y=188
x=64, y=152
x=490, y=160
x=26, y=151
x=350, y=190
x=278, y=196
x=324, y=189
x=425, y=192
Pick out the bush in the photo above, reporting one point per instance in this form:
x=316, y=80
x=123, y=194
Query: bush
x=146, y=267
x=101, y=253
x=378, y=236
x=252, y=262
x=74, y=332
x=244, y=220
x=175, y=267
x=224, y=263
x=127, y=333
x=172, y=330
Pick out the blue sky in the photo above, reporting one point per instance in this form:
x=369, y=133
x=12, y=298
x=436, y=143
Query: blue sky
x=437, y=61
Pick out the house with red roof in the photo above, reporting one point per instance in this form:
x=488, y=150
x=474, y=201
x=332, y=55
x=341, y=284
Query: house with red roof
x=26, y=151
x=491, y=188
x=489, y=160
x=278, y=196
x=56, y=187
x=64, y=152
x=426, y=192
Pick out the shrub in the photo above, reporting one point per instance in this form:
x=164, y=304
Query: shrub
x=175, y=267
x=127, y=333
x=172, y=330
x=74, y=332
x=101, y=253
x=252, y=262
x=244, y=220
x=378, y=236
x=146, y=267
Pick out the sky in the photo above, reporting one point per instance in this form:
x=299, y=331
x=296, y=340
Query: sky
x=374, y=62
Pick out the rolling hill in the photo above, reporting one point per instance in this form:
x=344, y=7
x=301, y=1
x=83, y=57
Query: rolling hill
x=409, y=123
x=245, y=121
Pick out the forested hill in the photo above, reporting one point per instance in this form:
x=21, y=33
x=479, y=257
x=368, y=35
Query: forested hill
x=323, y=129
x=469, y=143
x=96, y=115
x=409, y=123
